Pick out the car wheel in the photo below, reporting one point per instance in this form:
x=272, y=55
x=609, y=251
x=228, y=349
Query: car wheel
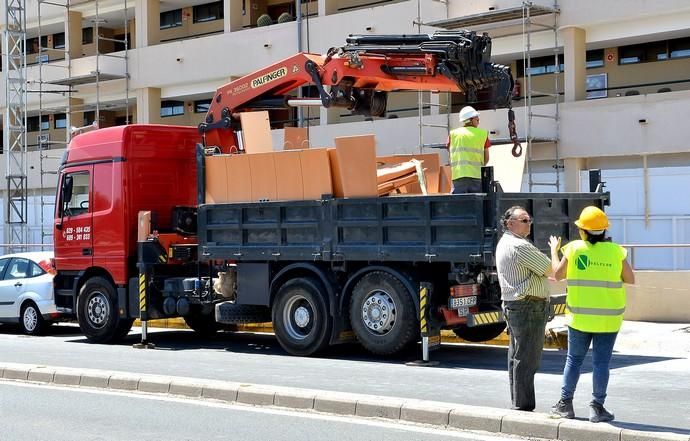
x=97, y=312
x=383, y=314
x=300, y=316
x=31, y=321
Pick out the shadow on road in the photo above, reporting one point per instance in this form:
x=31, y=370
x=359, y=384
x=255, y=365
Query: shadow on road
x=449, y=356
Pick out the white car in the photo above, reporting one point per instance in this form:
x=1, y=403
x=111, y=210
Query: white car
x=26, y=291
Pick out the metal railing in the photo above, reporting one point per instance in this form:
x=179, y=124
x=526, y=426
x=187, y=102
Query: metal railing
x=634, y=247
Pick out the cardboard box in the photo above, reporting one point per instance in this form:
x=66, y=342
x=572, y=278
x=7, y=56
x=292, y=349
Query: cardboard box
x=355, y=166
x=263, y=176
x=289, y=182
x=216, y=179
x=316, y=173
x=256, y=132
x=239, y=178
x=445, y=184
x=295, y=138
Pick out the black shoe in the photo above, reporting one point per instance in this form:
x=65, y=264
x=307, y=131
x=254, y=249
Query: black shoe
x=597, y=413
x=563, y=409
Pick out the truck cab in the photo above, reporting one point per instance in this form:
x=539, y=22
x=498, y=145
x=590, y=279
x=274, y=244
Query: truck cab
x=106, y=177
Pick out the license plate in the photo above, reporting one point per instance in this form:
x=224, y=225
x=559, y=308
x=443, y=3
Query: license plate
x=458, y=302
x=464, y=311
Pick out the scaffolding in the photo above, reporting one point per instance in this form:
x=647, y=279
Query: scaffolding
x=14, y=133
x=522, y=20
x=64, y=85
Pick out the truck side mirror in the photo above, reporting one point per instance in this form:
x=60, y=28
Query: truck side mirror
x=67, y=186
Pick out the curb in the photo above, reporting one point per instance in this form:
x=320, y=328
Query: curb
x=554, y=339
x=433, y=413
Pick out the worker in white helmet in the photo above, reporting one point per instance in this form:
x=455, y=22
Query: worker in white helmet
x=468, y=147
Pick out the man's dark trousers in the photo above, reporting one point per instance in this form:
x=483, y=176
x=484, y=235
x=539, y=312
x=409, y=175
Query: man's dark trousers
x=526, y=324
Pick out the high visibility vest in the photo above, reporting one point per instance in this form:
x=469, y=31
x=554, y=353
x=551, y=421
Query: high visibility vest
x=467, y=152
x=596, y=296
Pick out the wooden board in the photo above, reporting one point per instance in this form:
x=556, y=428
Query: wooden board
x=289, y=182
x=508, y=170
x=296, y=138
x=356, y=165
x=256, y=132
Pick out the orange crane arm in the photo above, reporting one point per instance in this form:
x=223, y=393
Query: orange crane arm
x=358, y=77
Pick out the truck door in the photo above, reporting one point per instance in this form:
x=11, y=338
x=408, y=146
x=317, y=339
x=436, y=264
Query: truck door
x=74, y=220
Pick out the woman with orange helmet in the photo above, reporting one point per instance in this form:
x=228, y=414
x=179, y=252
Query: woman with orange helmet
x=595, y=269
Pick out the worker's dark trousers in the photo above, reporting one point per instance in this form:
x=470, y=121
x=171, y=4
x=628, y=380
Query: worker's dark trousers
x=467, y=185
x=526, y=323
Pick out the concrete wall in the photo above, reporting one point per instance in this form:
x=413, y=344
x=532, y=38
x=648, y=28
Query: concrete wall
x=659, y=296
x=656, y=296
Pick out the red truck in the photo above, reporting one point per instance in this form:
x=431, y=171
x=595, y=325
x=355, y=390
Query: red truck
x=323, y=271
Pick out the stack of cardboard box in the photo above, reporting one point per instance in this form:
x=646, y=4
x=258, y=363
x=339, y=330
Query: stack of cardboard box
x=350, y=169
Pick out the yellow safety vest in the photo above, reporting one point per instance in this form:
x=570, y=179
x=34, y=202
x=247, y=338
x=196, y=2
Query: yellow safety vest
x=467, y=152
x=596, y=296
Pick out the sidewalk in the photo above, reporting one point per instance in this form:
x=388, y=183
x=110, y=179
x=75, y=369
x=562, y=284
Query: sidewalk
x=471, y=418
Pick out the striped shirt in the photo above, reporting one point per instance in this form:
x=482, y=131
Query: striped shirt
x=521, y=267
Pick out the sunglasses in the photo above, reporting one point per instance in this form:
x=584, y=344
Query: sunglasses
x=523, y=220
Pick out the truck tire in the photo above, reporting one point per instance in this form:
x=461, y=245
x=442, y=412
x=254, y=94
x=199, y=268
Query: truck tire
x=300, y=316
x=478, y=334
x=203, y=324
x=382, y=313
x=97, y=312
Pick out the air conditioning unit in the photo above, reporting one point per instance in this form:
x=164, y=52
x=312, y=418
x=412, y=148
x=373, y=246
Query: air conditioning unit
x=43, y=141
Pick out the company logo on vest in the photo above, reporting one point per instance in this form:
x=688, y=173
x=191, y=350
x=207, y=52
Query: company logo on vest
x=583, y=263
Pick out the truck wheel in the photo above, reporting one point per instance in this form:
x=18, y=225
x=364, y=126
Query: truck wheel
x=300, y=317
x=478, y=334
x=97, y=312
x=382, y=313
x=31, y=321
x=204, y=325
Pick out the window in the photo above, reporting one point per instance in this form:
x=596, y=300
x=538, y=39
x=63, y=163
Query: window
x=32, y=46
x=202, y=106
x=119, y=45
x=32, y=123
x=19, y=269
x=3, y=264
x=87, y=36
x=59, y=40
x=541, y=65
x=679, y=48
x=76, y=187
x=208, y=12
x=60, y=121
x=172, y=108
x=121, y=121
x=89, y=117
x=595, y=58
x=654, y=51
x=171, y=19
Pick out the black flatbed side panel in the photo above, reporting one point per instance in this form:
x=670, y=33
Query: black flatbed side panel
x=437, y=228
x=553, y=213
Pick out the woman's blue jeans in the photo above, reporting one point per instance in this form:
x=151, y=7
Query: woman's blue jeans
x=602, y=349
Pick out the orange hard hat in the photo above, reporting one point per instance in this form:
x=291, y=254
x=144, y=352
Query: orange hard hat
x=593, y=219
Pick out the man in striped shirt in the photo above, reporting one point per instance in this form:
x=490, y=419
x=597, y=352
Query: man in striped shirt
x=522, y=274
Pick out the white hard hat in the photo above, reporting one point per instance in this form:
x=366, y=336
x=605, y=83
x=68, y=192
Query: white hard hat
x=468, y=112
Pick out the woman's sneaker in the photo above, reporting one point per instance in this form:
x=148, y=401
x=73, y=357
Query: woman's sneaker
x=563, y=409
x=597, y=413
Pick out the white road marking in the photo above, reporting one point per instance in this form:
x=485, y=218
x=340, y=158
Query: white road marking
x=399, y=425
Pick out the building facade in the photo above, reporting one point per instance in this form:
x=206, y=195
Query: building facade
x=602, y=85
